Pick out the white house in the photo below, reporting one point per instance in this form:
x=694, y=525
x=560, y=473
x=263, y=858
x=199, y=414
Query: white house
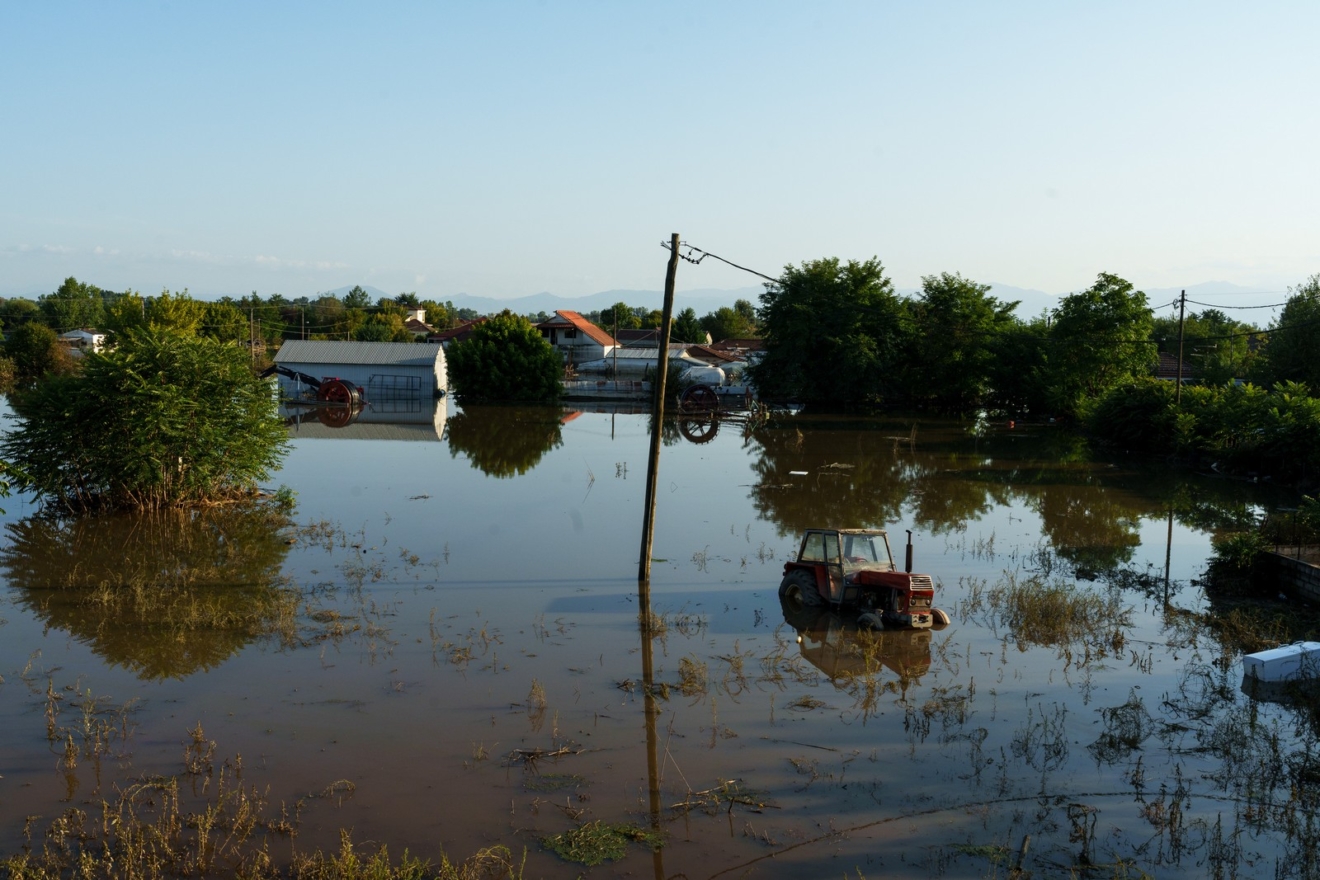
x=386, y=371
x=576, y=338
x=82, y=341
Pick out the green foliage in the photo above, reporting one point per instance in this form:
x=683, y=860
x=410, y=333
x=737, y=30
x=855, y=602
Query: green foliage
x=738, y=322
x=175, y=313
x=383, y=327
x=1215, y=347
x=505, y=359
x=161, y=421
x=223, y=321
x=1019, y=375
x=36, y=351
x=835, y=334
x=621, y=314
x=1138, y=416
x=16, y=311
x=357, y=298
x=597, y=842
x=954, y=352
x=1238, y=552
x=73, y=305
x=1293, y=352
x=504, y=442
x=1243, y=426
x=686, y=328
x=1100, y=339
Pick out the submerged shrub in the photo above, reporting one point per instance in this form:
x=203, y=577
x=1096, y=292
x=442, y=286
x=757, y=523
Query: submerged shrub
x=161, y=421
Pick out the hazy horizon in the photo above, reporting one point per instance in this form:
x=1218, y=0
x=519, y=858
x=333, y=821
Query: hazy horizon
x=504, y=150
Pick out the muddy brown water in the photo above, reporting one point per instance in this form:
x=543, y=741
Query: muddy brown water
x=454, y=609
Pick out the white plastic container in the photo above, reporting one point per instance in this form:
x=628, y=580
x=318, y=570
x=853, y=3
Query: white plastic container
x=1295, y=662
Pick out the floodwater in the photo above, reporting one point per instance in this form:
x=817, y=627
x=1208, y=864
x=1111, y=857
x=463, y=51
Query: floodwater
x=442, y=653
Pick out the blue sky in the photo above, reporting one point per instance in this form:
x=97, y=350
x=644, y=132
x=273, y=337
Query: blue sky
x=507, y=148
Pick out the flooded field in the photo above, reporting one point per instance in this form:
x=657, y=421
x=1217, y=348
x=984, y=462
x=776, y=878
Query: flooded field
x=443, y=649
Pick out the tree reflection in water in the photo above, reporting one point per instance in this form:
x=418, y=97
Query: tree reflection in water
x=504, y=441
x=943, y=476
x=166, y=593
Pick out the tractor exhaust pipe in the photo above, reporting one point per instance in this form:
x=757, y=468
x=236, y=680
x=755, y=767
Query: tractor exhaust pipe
x=908, y=560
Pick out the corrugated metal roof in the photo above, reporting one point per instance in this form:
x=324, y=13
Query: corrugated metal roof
x=411, y=354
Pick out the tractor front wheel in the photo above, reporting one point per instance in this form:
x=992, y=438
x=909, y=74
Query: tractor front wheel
x=939, y=617
x=798, y=590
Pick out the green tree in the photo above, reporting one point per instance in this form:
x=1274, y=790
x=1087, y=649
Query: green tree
x=1019, y=375
x=1293, y=351
x=687, y=328
x=161, y=421
x=223, y=321
x=621, y=313
x=72, y=306
x=357, y=298
x=176, y=313
x=1215, y=347
x=957, y=328
x=834, y=334
x=505, y=359
x=382, y=328
x=17, y=310
x=1100, y=339
x=440, y=317
x=729, y=323
x=36, y=351
x=747, y=312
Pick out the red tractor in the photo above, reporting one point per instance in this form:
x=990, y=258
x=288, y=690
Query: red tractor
x=854, y=569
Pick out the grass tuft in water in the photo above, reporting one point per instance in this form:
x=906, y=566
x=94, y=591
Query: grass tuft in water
x=598, y=842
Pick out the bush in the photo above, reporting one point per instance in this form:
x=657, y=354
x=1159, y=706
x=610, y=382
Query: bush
x=161, y=421
x=1239, y=552
x=35, y=351
x=505, y=359
x=1138, y=415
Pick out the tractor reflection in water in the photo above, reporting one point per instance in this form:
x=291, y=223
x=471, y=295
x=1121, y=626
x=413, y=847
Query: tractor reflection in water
x=849, y=655
x=853, y=569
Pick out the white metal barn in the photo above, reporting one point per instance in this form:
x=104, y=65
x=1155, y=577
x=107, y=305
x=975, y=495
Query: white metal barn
x=386, y=371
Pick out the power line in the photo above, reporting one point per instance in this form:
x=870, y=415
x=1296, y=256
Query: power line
x=1218, y=306
x=704, y=254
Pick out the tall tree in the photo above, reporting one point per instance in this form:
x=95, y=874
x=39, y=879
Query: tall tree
x=958, y=325
x=1100, y=338
x=623, y=314
x=728, y=323
x=1293, y=350
x=687, y=328
x=834, y=334
x=357, y=298
x=73, y=305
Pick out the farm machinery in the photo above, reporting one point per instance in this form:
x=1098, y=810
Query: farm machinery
x=853, y=569
x=338, y=401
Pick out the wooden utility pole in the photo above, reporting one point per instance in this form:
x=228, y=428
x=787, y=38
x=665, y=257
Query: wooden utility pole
x=1182, y=309
x=657, y=418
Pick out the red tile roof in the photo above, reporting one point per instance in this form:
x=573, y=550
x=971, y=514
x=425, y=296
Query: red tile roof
x=589, y=329
x=456, y=334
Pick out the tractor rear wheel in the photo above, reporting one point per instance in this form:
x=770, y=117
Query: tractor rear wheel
x=798, y=590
